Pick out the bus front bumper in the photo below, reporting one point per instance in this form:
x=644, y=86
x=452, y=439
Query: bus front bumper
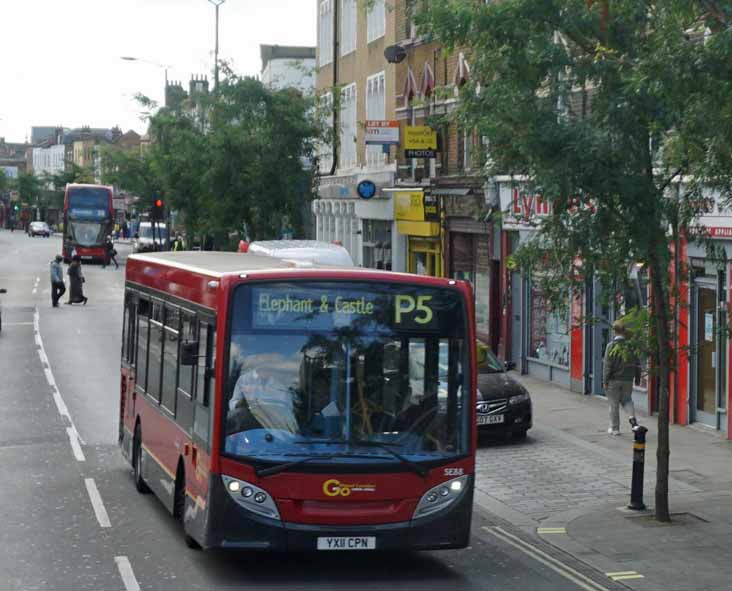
x=232, y=527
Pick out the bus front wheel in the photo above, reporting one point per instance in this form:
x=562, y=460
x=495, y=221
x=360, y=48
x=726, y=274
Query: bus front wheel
x=140, y=483
x=179, y=507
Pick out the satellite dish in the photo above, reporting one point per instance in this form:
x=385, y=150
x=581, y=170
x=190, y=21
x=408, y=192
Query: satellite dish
x=395, y=54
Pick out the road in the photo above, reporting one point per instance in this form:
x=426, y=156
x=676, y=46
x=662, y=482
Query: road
x=71, y=519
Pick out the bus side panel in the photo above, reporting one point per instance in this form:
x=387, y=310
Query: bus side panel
x=158, y=473
x=198, y=482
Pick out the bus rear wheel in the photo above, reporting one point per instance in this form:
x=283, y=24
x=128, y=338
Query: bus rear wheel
x=140, y=483
x=179, y=508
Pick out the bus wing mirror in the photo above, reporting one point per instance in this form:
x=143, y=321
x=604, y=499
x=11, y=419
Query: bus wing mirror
x=189, y=353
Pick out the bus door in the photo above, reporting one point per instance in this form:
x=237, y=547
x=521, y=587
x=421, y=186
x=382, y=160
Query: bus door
x=202, y=415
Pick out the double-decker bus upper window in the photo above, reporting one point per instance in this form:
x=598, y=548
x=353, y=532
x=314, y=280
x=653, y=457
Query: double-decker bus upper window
x=143, y=322
x=347, y=362
x=154, y=365
x=170, y=357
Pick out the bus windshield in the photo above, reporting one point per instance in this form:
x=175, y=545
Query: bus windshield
x=317, y=367
x=88, y=203
x=85, y=233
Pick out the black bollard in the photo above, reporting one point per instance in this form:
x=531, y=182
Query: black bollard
x=639, y=459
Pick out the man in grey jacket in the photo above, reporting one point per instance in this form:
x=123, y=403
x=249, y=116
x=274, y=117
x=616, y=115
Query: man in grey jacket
x=620, y=368
x=58, y=287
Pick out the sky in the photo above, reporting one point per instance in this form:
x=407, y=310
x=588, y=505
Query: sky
x=61, y=59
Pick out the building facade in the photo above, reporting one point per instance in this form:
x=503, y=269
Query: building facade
x=288, y=67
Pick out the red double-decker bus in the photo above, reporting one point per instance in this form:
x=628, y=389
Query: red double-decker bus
x=277, y=407
x=88, y=220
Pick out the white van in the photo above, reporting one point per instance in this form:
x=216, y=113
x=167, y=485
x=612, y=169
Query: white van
x=306, y=251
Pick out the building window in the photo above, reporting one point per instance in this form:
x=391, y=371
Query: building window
x=348, y=26
x=325, y=148
x=377, y=244
x=548, y=330
x=348, y=154
x=325, y=33
x=375, y=110
x=376, y=20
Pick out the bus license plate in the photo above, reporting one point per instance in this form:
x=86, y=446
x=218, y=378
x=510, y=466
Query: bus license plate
x=491, y=419
x=349, y=543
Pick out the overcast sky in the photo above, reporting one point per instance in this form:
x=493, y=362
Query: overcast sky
x=60, y=59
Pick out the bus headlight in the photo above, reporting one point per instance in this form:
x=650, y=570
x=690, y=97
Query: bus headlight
x=440, y=497
x=251, y=497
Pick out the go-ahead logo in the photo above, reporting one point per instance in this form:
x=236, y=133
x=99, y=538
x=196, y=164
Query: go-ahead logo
x=335, y=488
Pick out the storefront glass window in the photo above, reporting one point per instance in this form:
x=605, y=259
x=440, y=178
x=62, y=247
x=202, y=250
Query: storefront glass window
x=470, y=262
x=377, y=244
x=549, y=339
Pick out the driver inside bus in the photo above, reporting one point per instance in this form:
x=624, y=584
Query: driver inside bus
x=261, y=394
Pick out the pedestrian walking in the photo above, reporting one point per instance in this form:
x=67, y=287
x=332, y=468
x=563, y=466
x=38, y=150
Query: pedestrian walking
x=110, y=253
x=76, y=282
x=58, y=287
x=620, y=369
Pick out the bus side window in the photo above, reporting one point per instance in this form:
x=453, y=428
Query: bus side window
x=170, y=357
x=155, y=347
x=143, y=314
x=205, y=380
x=186, y=377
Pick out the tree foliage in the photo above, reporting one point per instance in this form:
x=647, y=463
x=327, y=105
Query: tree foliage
x=603, y=108
x=233, y=163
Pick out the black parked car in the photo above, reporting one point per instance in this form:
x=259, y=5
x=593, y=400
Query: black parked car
x=503, y=405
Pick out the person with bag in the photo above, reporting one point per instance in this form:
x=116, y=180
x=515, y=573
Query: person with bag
x=621, y=368
x=110, y=253
x=76, y=282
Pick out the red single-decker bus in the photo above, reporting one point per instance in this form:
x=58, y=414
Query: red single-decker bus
x=272, y=406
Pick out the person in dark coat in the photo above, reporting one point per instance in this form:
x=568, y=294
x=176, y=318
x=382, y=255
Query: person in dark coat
x=110, y=253
x=76, y=281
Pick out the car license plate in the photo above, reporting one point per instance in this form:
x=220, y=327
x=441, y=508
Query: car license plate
x=491, y=419
x=347, y=543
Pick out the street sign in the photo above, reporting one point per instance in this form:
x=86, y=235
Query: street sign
x=382, y=132
x=420, y=137
x=420, y=154
x=366, y=189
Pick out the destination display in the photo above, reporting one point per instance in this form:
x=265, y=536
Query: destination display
x=327, y=307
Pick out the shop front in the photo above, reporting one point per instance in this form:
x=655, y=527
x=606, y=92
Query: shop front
x=417, y=217
x=544, y=341
x=471, y=256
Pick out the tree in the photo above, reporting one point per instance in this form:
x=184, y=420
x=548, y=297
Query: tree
x=604, y=108
x=260, y=141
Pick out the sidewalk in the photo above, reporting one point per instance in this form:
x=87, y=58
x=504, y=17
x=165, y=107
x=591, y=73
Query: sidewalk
x=571, y=479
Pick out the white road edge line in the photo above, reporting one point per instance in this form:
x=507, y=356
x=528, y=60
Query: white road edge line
x=127, y=574
x=75, y=446
x=63, y=410
x=557, y=566
x=97, y=503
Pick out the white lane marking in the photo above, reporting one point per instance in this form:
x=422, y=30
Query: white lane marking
x=127, y=574
x=63, y=410
x=34, y=292
x=75, y=446
x=17, y=324
x=97, y=503
x=582, y=581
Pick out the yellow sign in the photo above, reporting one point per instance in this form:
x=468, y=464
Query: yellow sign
x=409, y=206
x=420, y=137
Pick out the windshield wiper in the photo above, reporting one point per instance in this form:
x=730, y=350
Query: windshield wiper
x=290, y=465
x=423, y=472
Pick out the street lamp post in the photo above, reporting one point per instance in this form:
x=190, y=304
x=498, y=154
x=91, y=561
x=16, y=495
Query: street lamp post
x=165, y=67
x=216, y=3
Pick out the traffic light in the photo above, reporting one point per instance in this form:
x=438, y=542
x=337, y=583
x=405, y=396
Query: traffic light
x=158, y=209
x=16, y=207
